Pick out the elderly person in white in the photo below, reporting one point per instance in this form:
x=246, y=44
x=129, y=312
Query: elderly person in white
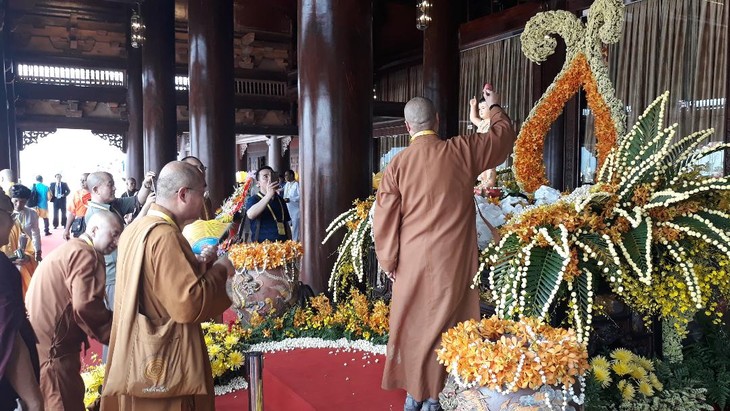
x=291, y=197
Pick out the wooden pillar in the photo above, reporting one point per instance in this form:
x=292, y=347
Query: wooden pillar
x=135, y=140
x=335, y=121
x=441, y=64
x=274, y=154
x=159, y=122
x=212, y=117
x=240, y=157
x=12, y=130
x=4, y=134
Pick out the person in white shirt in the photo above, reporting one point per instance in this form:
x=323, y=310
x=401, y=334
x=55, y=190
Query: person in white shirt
x=291, y=197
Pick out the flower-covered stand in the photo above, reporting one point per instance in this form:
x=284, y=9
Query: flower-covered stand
x=266, y=279
x=497, y=364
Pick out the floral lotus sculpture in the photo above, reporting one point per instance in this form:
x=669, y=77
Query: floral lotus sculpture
x=265, y=272
x=637, y=228
x=357, y=242
x=505, y=356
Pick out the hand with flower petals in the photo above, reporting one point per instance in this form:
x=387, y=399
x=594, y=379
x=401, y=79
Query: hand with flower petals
x=208, y=254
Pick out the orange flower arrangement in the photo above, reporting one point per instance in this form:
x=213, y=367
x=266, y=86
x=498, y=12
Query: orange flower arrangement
x=529, y=165
x=264, y=256
x=234, y=203
x=505, y=355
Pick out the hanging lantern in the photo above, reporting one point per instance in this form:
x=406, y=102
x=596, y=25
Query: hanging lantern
x=138, y=28
x=423, y=18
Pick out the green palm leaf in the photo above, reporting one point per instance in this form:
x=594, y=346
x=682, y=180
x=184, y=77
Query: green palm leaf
x=696, y=227
x=635, y=247
x=677, y=156
x=675, y=195
x=644, y=138
x=544, y=276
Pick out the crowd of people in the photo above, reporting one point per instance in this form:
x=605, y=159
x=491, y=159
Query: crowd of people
x=128, y=278
x=125, y=255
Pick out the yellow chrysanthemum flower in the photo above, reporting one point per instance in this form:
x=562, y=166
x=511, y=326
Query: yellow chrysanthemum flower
x=655, y=382
x=645, y=363
x=622, y=355
x=621, y=368
x=230, y=340
x=208, y=340
x=637, y=371
x=645, y=388
x=628, y=392
x=213, y=350
x=600, y=361
x=603, y=376
x=236, y=359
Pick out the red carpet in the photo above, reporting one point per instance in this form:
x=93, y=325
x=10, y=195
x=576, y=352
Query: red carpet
x=303, y=380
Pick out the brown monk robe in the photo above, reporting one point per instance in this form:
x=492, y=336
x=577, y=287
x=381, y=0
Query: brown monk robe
x=65, y=303
x=174, y=286
x=425, y=237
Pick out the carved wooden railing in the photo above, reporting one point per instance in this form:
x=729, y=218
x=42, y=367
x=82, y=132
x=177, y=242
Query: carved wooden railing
x=244, y=87
x=77, y=76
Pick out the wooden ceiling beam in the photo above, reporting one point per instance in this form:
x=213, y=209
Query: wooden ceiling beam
x=497, y=26
x=246, y=101
x=45, y=122
x=256, y=129
x=32, y=91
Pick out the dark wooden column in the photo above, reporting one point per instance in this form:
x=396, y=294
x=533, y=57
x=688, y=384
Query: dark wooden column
x=12, y=130
x=441, y=64
x=212, y=121
x=4, y=134
x=159, y=121
x=335, y=124
x=135, y=140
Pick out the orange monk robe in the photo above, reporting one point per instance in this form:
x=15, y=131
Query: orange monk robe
x=172, y=286
x=65, y=303
x=29, y=266
x=424, y=231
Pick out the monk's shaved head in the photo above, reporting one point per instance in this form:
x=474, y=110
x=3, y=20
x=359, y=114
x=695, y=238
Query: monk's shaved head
x=420, y=114
x=103, y=228
x=98, y=178
x=102, y=218
x=176, y=175
x=7, y=175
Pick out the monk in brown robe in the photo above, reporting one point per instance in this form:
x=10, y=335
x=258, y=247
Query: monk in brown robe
x=175, y=285
x=65, y=303
x=208, y=212
x=425, y=239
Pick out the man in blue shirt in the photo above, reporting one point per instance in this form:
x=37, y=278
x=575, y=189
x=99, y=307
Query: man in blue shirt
x=267, y=210
x=44, y=194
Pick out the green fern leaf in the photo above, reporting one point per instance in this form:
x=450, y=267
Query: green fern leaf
x=698, y=229
x=642, y=136
x=543, y=277
x=635, y=245
x=677, y=157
